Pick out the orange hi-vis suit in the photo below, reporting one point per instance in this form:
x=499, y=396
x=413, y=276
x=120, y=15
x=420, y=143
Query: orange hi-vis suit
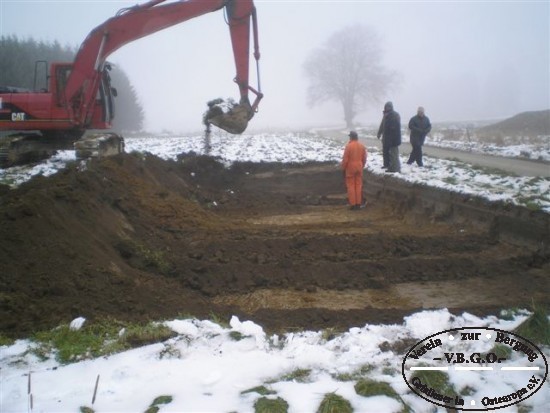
x=355, y=159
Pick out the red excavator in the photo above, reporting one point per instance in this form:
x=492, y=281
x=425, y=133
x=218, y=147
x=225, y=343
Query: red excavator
x=80, y=98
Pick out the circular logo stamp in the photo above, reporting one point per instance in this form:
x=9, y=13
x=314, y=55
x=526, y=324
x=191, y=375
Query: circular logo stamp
x=474, y=357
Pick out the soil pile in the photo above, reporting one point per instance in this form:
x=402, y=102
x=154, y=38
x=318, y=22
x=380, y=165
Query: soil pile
x=134, y=237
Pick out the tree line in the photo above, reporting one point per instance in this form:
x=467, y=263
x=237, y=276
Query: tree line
x=18, y=59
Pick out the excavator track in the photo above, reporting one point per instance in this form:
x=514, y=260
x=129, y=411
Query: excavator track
x=22, y=149
x=28, y=148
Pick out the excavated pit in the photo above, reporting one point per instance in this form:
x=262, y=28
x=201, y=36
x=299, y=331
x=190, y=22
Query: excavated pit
x=137, y=238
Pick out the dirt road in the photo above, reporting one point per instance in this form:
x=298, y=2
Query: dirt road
x=515, y=166
x=138, y=238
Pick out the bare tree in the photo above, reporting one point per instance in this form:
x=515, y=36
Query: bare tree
x=348, y=68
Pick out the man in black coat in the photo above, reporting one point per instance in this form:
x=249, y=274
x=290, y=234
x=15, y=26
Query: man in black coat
x=420, y=126
x=390, y=130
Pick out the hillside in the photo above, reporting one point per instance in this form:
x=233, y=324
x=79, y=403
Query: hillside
x=526, y=124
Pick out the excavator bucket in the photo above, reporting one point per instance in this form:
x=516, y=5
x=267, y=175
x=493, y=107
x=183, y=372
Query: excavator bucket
x=228, y=116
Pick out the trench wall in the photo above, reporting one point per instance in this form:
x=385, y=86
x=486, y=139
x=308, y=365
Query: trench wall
x=503, y=221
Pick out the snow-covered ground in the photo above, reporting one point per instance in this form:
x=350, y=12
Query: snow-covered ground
x=302, y=147
x=540, y=150
x=296, y=147
x=462, y=138
x=205, y=369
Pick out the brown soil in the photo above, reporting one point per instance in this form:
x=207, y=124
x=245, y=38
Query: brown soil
x=139, y=238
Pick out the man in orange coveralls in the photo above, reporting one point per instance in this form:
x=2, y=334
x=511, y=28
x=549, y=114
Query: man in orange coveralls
x=355, y=159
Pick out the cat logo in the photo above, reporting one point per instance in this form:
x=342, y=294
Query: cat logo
x=18, y=116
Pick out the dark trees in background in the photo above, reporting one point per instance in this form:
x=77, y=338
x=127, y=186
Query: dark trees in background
x=18, y=57
x=348, y=69
x=17, y=69
x=129, y=114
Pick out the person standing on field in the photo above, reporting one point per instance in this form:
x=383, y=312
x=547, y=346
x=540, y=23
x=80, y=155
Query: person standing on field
x=420, y=126
x=353, y=163
x=390, y=130
x=385, y=147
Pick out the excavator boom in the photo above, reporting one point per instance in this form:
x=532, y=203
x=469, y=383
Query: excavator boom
x=80, y=96
x=142, y=20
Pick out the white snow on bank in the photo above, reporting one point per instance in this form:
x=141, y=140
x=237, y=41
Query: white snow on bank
x=440, y=173
x=205, y=370
x=305, y=147
x=290, y=147
x=16, y=175
x=458, y=138
x=524, y=151
x=465, y=138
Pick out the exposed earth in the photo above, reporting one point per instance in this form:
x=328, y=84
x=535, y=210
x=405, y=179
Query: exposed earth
x=136, y=238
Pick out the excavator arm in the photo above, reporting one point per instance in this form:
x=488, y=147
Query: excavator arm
x=135, y=22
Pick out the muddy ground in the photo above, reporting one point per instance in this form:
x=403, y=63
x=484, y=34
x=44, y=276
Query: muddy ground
x=138, y=238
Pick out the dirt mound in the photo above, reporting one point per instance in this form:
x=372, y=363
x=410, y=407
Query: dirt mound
x=87, y=242
x=137, y=238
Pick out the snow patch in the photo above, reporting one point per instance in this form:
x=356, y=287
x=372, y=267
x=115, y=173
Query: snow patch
x=77, y=323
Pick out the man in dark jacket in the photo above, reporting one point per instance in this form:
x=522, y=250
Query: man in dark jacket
x=420, y=126
x=390, y=130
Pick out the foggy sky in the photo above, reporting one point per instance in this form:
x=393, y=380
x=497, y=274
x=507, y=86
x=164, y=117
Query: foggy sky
x=461, y=60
